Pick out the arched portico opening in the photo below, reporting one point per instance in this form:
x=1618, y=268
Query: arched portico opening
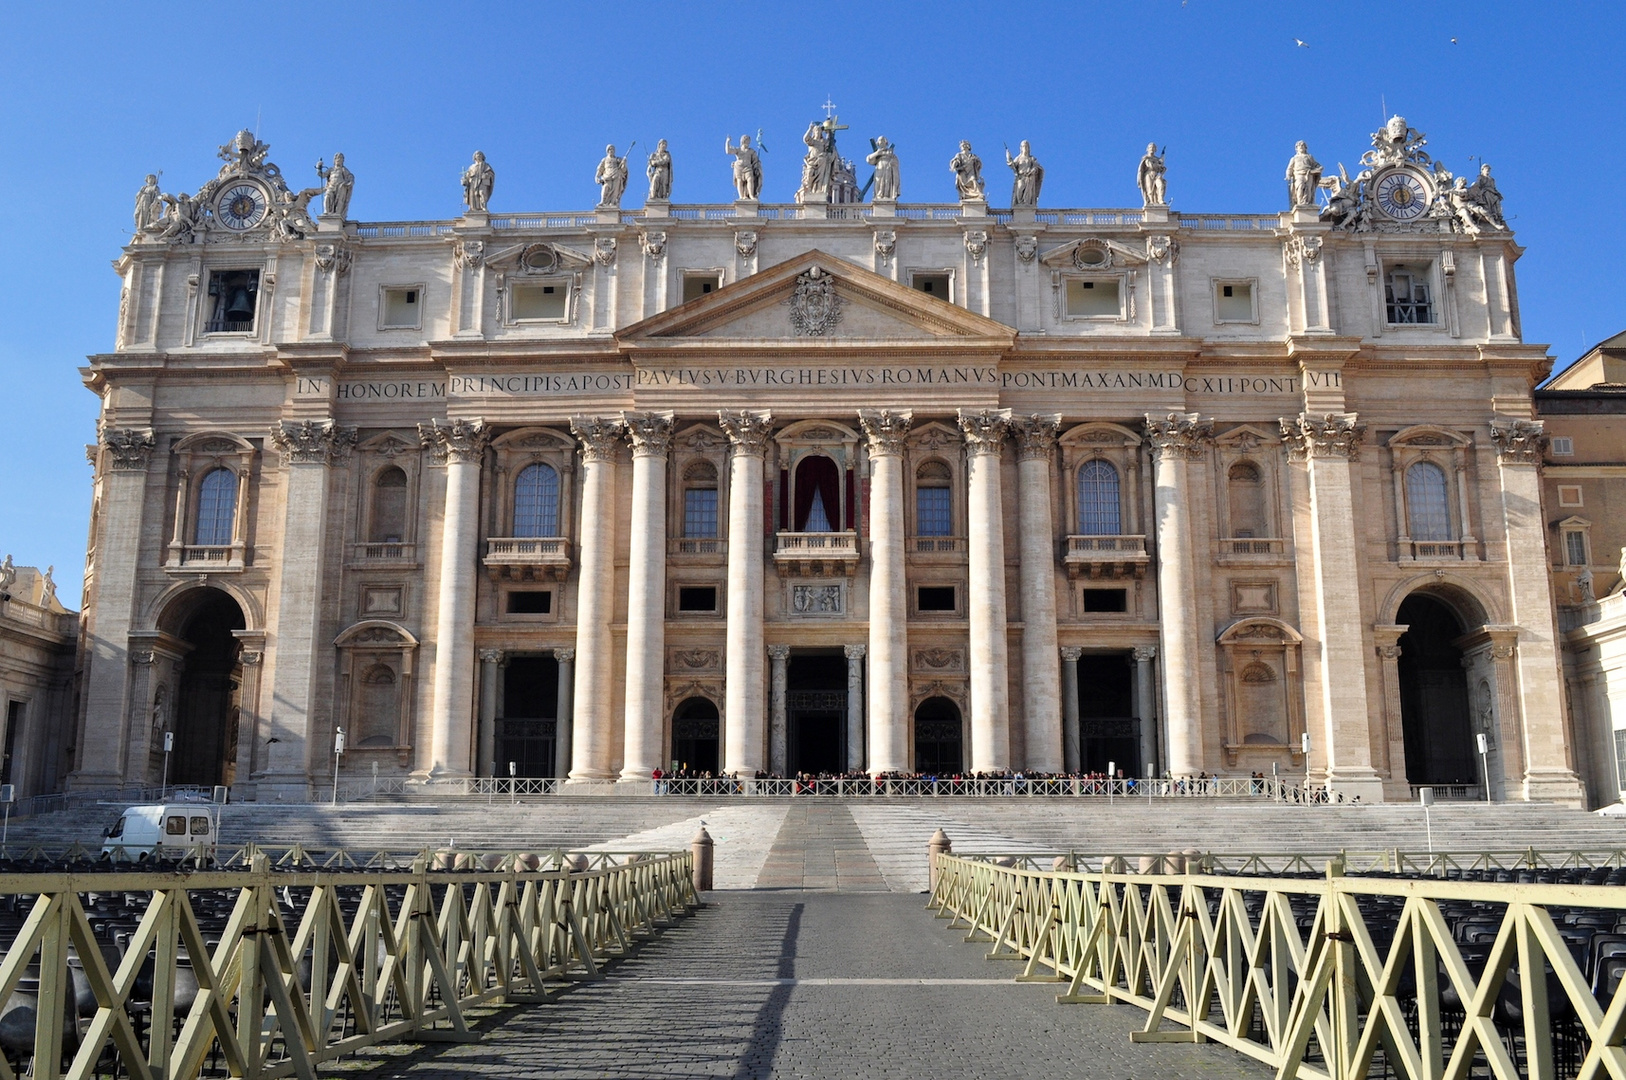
x=1434, y=705
x=938, y=750
x=208, y=701
x=695, y=733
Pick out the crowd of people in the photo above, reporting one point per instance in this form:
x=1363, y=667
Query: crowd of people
x=683, y=780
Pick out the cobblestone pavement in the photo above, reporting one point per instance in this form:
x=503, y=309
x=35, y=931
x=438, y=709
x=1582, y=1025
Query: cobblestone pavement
x=787, y=983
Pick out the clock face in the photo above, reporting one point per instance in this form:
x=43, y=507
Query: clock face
x=1402, y=196
x=241, y=207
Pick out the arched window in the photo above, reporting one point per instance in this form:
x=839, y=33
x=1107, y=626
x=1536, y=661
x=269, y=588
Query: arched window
x=1098, y=499
x=1428, y=508
x=934, y=514
x=700, y=501
x=1246, y=488
x=536, y=501
x=389, y=507
x=217, y=506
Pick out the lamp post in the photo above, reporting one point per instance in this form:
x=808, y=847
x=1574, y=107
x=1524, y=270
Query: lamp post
x=169, y=744
x=1112, y=776
x=338, y=753
x=1484, y=762
x=8, y=795
x=513, y=771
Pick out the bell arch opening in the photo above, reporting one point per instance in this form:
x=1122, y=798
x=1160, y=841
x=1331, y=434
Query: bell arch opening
x=1434, y=704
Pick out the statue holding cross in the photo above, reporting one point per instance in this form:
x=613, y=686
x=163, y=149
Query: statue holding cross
x=822, y=164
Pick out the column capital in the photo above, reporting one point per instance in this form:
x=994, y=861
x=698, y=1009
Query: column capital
x=564, y=656
x=885, y=429
x=313, y=442
x=1036, y=436
x=778, y=653
x=457, y=440
x=1183, y=436
x=855, y=652
x=130, y=448
x=1144, y=654
x=598, y=436
x=984, y=430
x=1326, y=436
x=649, y=432
x=747, y=429
x=1518, y=442
x=491, y=656
x=1071, y=653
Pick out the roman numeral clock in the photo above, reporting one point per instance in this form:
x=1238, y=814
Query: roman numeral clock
x=1402, y=195
x=242, y=206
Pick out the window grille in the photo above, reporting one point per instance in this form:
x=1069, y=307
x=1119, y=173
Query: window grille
x=217, y=505
x=536, y=501
x=1098, y=499
x=700, y=512
x=1428, y=508
x=933, y=516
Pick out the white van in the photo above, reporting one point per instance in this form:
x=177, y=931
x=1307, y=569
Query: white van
x=169, y=831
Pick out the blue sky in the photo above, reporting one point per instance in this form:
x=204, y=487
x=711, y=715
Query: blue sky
x=92, y=97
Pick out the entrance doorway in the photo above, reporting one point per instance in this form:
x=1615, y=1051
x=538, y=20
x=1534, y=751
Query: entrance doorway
x=695, y=736
x=207, y=706
x=938, y=738
x=527, y=732
x=816, y=712
x=1108, y=733
x=1434, y=715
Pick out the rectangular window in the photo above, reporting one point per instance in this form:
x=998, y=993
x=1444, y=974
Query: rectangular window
x=1406, y=296
x=1569, y=495
x=200, y=826
x=1233, y=302
x=933, y=516
x=233, y=298
x=400, y=308
x=1106, y=600
x=932, y=285
x=533, y=301
x=175, y=825
x=700, y=513
x=697, y=285
x=1093, y=299
x=530, y=602
x=1563, y=446
x=697, y=598
x=1575, y=547
x=935, y=598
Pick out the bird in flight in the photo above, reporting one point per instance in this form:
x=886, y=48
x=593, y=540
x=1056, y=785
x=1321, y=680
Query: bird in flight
x=1301, y=43
x=1453, y=41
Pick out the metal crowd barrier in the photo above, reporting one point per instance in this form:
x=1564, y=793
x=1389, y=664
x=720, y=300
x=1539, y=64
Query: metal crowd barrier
x=1332, y=976
x=261, y=972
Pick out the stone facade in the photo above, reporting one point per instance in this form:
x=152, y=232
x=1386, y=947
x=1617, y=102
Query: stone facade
x=824, y=485
x=37, y=644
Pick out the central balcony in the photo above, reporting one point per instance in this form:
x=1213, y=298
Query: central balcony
x=1106, y=556
x=528, y=558
x=816, y=553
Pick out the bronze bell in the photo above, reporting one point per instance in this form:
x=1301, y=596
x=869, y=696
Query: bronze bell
x=241, y=308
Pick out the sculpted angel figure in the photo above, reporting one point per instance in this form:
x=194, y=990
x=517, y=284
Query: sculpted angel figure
x=1303, y=177
x=337, y=184
x=747, y=168
x=149, y=204
x=180, y=217
x=1029, y=176
x=885, y=160
x=967, y=169
x=1150, y=177
x=478, y=180
x=660, y=173
x=611, y=178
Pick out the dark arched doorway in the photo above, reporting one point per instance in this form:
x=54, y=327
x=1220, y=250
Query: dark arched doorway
x=937, y=737
x=695, y=735
x=1434, y=713
x=209, y=699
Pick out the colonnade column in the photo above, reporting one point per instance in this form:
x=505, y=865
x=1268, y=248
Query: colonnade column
x=564, y=722
x=990, y=716
x=491, y=661
x=1328, y=445
x=1072, y=752
x=1036, y=543
x=855, y=707
x=743, y=700
x=888, y=594
x=778, y=678
x=1548, y=774
x=651, y=436
x=461, y=446
x=1146, y=708
x=1177, y=439
x=593, y=743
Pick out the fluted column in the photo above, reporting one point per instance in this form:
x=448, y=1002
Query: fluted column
x=888, y=593
x=1071, y=751
x=990, y=707
x=593, y=743
x=744, y=704
x=778, y=719
x=855, y=707
x=1036, y=545
x=1177, y=439
x=1146, y=708
x=1327, y=446
x=651, y=437
x=564, y=723
x=490, y=668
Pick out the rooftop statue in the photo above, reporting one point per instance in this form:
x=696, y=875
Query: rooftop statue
x=611, y=177
x=1303, y=177
x=337, y=184
x=660, y=173
x=747, y=169
x=1150, y=177
x=478, y=180
x=885, y=160
x=1397, y=144
x=1029, y=175
x=1484, y=194
x=967, y=169
x=819, y=164
x=149, y=204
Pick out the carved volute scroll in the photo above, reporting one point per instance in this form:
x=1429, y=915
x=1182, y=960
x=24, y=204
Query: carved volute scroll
x=313, y=442
x=1325, y=436
x=985, y=431
x=748, y=431
x=1179, y=435
x=457, y=440
x=1036, y=436
x=1518, y=442
x=129, y=449
x=649, y=432
x=886, y=430
x=598, y=436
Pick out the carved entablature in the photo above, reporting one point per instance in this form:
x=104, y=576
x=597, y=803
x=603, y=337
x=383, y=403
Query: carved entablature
x=1325, y=436
x=1518, y=442
x=938, y=659
x=313, y=442
x=1180, y=435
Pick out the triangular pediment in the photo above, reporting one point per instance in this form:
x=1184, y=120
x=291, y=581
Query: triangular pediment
x=813, y=299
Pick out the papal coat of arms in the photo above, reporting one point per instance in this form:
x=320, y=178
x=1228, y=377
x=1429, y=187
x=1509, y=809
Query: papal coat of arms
x=814, y=307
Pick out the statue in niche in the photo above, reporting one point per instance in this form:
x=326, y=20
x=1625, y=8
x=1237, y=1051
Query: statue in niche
x=967, y=169
x=478, y=180
x=1484, y=194
x=1151, y=177
x=149, y=204
x=1029, y=176
x=885, y=161
x=1303, y=177
x=611, y=178
x=747, y=169
x=660, y=173
x=337, y=183
x=1583, y=582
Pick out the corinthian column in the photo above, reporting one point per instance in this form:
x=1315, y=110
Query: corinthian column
x=888, y=594
x=1327, y=446
x=564, y=706
x=778, y=715
x=855, y=706
x=990, y=707
x=1036, y=544
x=1177, y=439
x=593, y=743
x=651, y=436
x=744, y=699
x=460, y=446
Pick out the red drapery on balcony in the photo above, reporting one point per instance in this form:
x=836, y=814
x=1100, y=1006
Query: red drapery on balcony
x=817, y=473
